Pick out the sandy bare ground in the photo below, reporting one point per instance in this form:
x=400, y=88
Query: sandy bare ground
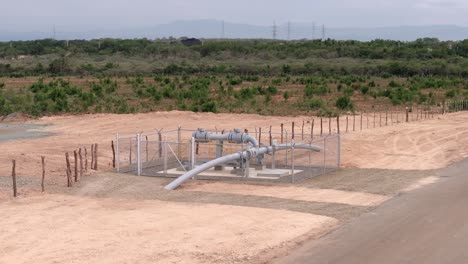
x=211, y=223
x=62, y=229
x=429, y=144
x=293, y=193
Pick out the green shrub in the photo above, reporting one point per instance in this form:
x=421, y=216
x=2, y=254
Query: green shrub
x=451, y=94
x=365, y=89
x=344, y=103
x=315, y=103
x=210, y=106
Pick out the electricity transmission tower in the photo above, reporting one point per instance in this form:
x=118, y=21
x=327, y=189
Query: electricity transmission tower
x=323, y=32
x=275, y=29
x=289, y=30
x=313, y=30
x=222, y=30
x=53, y=32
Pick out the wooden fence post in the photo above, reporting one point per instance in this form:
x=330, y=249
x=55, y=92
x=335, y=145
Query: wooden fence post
x=13, y=176
x=92, y=155
x=361, y=121
x=96, y=157
x=81, y=162
x=292, y=135
x=374, y=119
x=147, y=148
x=312, y=129
x=113, y=154
x=129, y=154
x=160, y=143
x=271, y=138
x=282, y=130
x=321, y=126
x=69, y=181
x=386, y=118
x=354, y=122
x=302, y=132
x=407, y=115
x=347, y=123
x=380, y=119
x=259, y=135
x=43, y=174
x=86, y=159
x=76, y=165
x=329, y=125
x=338, y=123
x=367, y=121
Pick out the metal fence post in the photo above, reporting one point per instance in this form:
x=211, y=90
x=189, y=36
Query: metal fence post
x=286, y=152
x=324, y=154
x=165, y=155
x=247, y=168
x=273, y=158
x=292, y=161
x=139, y=153
x=179, y=138
x=192, y=153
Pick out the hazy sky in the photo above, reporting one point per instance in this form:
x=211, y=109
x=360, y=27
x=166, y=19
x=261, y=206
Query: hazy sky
x=40, y=15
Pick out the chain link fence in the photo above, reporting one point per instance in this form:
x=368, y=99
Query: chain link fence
x=172, y=153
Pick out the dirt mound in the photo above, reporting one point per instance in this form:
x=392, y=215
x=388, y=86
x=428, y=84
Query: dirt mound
x=15, y=117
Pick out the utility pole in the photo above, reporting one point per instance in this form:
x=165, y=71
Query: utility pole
x=222, y=30
x=313, y=30
x=53, y=32
x=289, y=30
x=323, y=32
x=275, y=29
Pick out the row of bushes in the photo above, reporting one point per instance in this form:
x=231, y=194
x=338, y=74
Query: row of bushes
x=422, y=49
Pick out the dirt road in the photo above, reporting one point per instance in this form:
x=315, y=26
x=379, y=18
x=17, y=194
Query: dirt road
x=425, y=226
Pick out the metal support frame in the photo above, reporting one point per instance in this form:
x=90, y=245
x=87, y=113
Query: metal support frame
x=247, y=168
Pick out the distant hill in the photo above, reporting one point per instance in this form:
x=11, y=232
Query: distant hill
x=213, y=29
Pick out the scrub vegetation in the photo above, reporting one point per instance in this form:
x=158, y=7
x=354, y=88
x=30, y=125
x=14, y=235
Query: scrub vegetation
x=238, y=76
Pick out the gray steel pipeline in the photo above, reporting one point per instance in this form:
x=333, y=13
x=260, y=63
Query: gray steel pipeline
x=234, y=136
x=252, y=152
